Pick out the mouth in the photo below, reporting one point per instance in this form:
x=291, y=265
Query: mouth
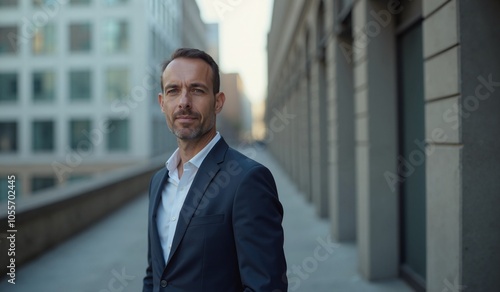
x=185, y=118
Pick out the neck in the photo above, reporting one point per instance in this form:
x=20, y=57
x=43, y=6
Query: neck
x=189, y=148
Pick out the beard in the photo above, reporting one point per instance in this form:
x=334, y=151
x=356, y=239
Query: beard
x=193, y=131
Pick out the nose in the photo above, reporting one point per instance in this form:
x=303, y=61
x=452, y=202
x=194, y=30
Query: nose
x=185, y=100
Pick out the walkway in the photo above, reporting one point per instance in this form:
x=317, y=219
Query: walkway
x=111, y=256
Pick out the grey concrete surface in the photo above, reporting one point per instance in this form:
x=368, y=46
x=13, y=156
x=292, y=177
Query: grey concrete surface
x=111, y=256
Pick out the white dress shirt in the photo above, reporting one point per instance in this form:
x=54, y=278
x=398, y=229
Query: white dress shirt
x=174, y=193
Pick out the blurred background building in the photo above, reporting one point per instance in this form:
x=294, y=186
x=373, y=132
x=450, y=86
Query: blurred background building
x=235, y=119
x=386, y=113
x=79, y=81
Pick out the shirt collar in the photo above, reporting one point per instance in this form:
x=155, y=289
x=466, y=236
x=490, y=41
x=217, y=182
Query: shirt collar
x=175, y=158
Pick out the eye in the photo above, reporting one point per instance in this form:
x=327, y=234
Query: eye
x=198, y=90
x=172, y=91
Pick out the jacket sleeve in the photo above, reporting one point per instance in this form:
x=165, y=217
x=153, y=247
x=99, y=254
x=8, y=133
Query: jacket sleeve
x=257, y=217
x=148, y=279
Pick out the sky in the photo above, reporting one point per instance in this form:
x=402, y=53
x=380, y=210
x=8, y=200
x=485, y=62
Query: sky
x=243, y=28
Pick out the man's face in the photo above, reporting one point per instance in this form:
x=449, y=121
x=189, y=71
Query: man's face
x=188, y=100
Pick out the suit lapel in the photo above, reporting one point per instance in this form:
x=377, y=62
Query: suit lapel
x=208, y=169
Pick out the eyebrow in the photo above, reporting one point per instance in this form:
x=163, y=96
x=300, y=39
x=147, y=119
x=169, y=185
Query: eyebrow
x=192, y=85
x=168, y=86
x=198, y=85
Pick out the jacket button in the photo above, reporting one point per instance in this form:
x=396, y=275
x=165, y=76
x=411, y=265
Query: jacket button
x=163, y=283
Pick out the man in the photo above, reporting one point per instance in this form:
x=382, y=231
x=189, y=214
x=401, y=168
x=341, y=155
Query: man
x=214, y=214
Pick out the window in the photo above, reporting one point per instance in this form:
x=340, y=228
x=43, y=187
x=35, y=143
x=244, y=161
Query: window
x=118, y=135
x=8, y=39
x=79, y=135
x=78, y=177
x=39, y=183
x=43, y=136
x=40, y=3
x=8, y=137
x=8, y=3
x=79, y=2
x=115, y=2
x=44, y=86
x=44, y=40
x=80, y=85
x=8, y=87
x=116, y=83
x=115, y=36
x=80, y=37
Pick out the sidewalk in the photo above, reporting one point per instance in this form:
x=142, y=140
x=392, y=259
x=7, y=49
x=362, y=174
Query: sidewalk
x=111, y=255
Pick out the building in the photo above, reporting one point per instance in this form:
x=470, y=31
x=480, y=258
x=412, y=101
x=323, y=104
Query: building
x=386, y=113
x=194, y=31
x=235, y=119
x=213, y=41
x=78, y=85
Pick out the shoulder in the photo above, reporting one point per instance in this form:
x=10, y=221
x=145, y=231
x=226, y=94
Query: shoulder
x=242, y=164
x=243, y=160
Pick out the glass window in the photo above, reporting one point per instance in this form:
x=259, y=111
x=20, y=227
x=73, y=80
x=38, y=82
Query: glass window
x=43, y=136
x=80, y=85
x=115, y=36
x=117, y=83
x=44, y=86
x=118, y=135
x=8, y=3
x=115, y=2
x=40, y=3
x=8, y=87
x=78, y=177
x=79, y=138
x=51, y=3
x=8, y=137
x=39, y=183
x=44, y=40
x=79, y=2
x=80, y=37
x=8, y=39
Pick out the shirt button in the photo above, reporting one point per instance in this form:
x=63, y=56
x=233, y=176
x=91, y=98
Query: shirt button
x=173, y=218
x=169, y=246
x=163, y=283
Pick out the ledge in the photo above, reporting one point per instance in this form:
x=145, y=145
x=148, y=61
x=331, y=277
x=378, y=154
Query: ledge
x=54, y=215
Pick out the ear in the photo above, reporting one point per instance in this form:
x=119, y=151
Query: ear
x=160, y=101
x=220, y=98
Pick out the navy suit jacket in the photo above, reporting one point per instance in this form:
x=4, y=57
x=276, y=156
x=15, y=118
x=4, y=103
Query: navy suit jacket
x=229, y=235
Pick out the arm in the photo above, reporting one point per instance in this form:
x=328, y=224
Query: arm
x=148, y=279
x=257, y=216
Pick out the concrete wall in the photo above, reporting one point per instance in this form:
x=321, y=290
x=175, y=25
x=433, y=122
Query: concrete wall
x=55, y=215
x=462, y=116
x=443, y=172
x=480, y=89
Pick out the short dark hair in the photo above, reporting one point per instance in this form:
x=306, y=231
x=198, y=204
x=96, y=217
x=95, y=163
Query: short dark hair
x=194, y=54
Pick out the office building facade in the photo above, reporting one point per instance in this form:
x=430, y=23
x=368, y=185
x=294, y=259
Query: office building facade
x=78, y=85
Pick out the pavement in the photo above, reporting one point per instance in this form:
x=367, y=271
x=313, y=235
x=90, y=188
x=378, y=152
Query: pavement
x=111, y=255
